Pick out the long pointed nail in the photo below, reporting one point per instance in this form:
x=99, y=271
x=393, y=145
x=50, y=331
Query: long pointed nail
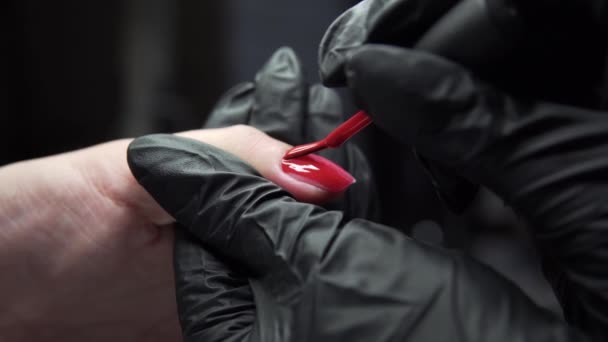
x=318, y=171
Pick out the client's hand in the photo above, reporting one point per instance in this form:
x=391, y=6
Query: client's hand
x=83, y=255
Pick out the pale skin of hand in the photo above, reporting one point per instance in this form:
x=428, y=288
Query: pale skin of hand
x=86, y=254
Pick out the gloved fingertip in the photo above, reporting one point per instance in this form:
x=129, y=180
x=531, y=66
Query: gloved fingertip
x=142, y=154
x=283, y=63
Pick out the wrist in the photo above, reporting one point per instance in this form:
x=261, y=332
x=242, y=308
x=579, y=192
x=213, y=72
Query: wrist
x=40, y=191
x=24, y=199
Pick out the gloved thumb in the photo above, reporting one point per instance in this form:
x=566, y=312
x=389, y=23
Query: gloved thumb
x=206, y=190
x=228, y=206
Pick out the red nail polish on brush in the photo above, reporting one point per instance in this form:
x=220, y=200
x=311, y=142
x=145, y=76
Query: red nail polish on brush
x=318, y=171
x=334, y=139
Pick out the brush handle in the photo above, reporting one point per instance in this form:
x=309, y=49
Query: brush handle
x=346, y=130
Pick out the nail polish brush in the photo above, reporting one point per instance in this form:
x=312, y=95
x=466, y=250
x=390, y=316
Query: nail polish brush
x=497, y=26
x=334, y=139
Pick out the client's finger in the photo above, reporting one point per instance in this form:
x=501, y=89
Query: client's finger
x=264, y=154
x=105, y=167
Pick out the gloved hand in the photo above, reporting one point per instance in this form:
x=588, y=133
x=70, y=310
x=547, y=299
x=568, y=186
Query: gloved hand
x=314, y=275
x=399, y=22
x=540, y=68
x=546, y=160
x=281, y=103
x=556, y=36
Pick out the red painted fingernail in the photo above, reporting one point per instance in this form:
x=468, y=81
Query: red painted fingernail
x=318, y=171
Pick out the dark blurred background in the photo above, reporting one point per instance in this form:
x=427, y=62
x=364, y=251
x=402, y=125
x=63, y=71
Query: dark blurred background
x=76, y=73
x=80, y=72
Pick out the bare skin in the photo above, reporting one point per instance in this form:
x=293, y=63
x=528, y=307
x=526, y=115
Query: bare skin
x=85, y=253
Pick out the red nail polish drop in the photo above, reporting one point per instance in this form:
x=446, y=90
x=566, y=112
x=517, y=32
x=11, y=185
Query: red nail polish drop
x=318, y=171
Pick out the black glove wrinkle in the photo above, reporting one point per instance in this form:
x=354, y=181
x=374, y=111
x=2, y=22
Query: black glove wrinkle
x=345, y=33
x=398, y=22
x=203, y=285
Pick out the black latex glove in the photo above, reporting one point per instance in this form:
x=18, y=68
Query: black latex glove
x=400, y=23
x=314, y=275
x=542, y=67
x=281, y=104
x=548, y=161
x=558, y=35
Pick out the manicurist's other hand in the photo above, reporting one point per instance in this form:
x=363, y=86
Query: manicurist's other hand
x=539, y=142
